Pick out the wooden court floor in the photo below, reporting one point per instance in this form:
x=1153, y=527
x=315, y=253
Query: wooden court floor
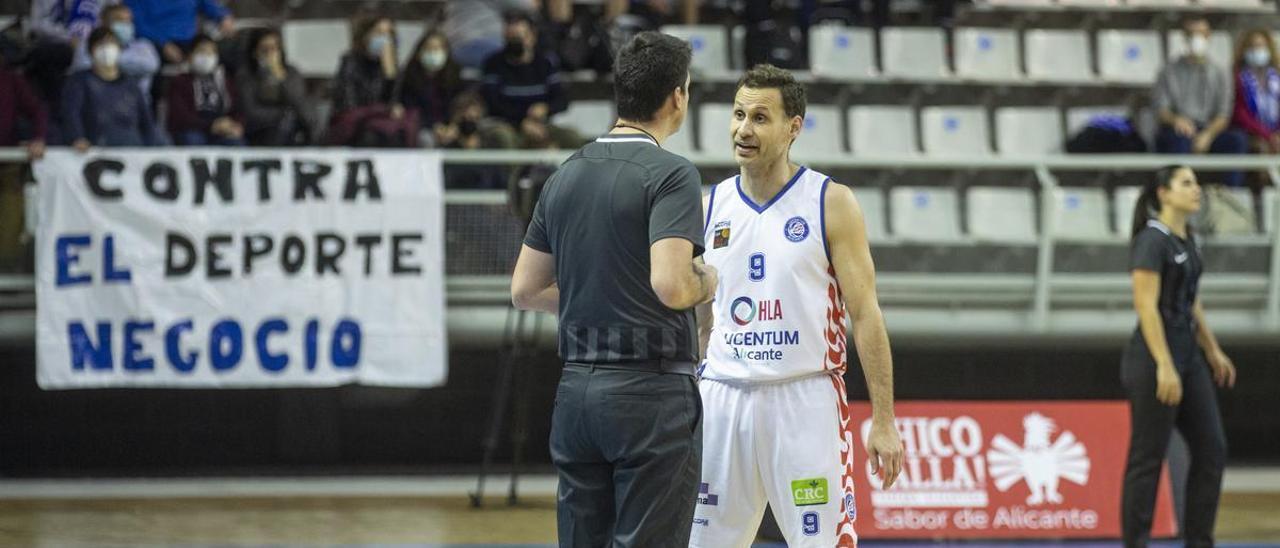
x=368, y=520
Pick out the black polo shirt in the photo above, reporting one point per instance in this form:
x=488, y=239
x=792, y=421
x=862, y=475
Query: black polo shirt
x=598, y=215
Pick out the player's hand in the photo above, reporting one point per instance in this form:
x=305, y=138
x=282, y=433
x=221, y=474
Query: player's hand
x=1168, y=385
x=1224, y=370
x=884, y=451
x=710, y=280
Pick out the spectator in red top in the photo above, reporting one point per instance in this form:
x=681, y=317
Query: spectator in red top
x=18, y=103
x=202, y=104
x=1257, y=110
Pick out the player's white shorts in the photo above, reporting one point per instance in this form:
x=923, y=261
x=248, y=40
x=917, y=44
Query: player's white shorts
x=788, y=443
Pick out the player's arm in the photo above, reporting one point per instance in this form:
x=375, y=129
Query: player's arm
x=851, y=257
x=533, y=284
x=680, y=280
x=703, y=312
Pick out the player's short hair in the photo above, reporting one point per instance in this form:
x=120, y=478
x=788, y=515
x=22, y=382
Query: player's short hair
x=647, y=69
x=794, y=98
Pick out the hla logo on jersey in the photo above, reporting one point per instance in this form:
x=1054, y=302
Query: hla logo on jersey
x=796, y=229
x=743, y=310
x=1042, y=462
x=809, y=492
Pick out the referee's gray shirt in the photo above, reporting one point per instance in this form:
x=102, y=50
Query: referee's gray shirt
x=598, y=215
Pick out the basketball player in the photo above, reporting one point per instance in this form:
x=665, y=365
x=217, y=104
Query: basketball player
x=791, y=250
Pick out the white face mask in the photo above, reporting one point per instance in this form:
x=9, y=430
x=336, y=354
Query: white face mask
x=1198, y=45
x=204, y=63
x=106, y=55
x=1258, y=57
x=434, y=59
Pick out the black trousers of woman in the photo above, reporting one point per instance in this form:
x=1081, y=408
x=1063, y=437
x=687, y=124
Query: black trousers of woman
x=1152, y=423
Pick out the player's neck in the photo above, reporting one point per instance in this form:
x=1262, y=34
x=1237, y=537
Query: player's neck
x=763, y=183
x=655, y=129
x=1175, y=220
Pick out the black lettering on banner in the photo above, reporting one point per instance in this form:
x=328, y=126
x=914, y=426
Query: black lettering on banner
x=367, y=242
x=174, y=241
x=213, y=265
x=220, y=178
x=356, y=183
x=398, y=253
x=264, y=169
x=93, y=172
x=256, y=245
x=293, y=252
x=306, y=179
x=157, y=172
x=327, y=259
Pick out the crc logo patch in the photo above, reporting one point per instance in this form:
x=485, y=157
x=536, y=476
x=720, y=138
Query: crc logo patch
x=810, y=524
x=796, y=229
x=721, y=238
x=809, y=492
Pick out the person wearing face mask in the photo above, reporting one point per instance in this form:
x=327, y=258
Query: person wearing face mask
x=522, y=86
x=105, y=107
x=1257, y=111
x=138, y=57
x=273, y=96
x=431, y=81
x=366, y=110
x=202, y=106
x=1193, y=98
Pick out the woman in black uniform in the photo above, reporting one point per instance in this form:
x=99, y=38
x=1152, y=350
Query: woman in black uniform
x=1171, y=363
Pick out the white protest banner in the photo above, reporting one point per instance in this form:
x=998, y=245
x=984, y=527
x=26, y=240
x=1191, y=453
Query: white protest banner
x=206, y=268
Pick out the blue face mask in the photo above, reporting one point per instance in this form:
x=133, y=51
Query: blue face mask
x=378, y=43
x=123, y=31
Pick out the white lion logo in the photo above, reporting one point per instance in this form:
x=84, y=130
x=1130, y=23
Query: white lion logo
x=1041, y=463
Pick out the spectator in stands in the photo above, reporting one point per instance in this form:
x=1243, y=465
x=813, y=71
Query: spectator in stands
x=366, y=109
x=138, y=57
x=474, y=28
x=1257, y=111
x=1193, y=98
x=58, y=28
x=102, y=106
x=273, y=96
x=470, y=128
x=431, y=81
x=171, y=24
x=523, y=87
x=19, y=109
x=202, y=101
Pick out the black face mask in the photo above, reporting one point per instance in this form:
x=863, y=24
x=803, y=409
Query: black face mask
x=467, y=127
x=514, y=49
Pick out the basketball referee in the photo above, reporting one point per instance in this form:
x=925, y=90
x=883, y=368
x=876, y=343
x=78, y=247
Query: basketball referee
x=611, y=249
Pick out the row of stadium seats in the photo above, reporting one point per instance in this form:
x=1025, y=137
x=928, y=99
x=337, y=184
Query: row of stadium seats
x=1121, y=4
x=939, y=131
x=983, y=54
x=1004, y=215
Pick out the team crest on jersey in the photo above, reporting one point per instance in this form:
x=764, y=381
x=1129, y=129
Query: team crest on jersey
x=721, y=235
x=796, y=229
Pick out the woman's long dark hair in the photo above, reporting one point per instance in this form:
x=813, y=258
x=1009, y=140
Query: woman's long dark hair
x=1148, y=206
x=255, y=38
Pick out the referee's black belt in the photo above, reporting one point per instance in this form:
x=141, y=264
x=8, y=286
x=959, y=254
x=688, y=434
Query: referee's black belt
x=669, y=367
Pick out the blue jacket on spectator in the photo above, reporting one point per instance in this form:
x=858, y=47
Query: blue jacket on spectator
x=107, y=113
x=165, y=21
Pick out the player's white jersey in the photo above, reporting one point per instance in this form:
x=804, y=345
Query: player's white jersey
x=778, y=309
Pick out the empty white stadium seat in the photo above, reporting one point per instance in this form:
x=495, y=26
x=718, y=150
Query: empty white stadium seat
x=1090, y=3
x=1269, y=209
x=1160, y=3
x=316, y=47
x=841, y=52
x=1221, y=47
x=1081, y=214
x=588, y=118
x=710, y=47
x=882, y=130
x=681, y=142
x=1002, y=214
x=1017, y=3
x=1129, y=56
x=1078, y=117
x=1028, y=131
x=871, y=201
x=955, y=131
x=925, y=214
x=1235, y=4
x=1125, y=198
x=1058, y=55
x=917, y=53
x=987, y=54
x=713, y=128
x=821, y=134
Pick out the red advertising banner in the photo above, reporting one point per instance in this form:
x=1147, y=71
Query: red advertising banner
x=1002, y=470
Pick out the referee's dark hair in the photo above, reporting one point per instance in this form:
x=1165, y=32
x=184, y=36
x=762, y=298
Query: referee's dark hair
x=647, y=70
x=765, y=76
x=1148, y=205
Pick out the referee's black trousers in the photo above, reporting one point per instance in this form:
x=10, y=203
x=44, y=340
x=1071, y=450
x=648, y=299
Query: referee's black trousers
x=627, y=446
x=1152, y=422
